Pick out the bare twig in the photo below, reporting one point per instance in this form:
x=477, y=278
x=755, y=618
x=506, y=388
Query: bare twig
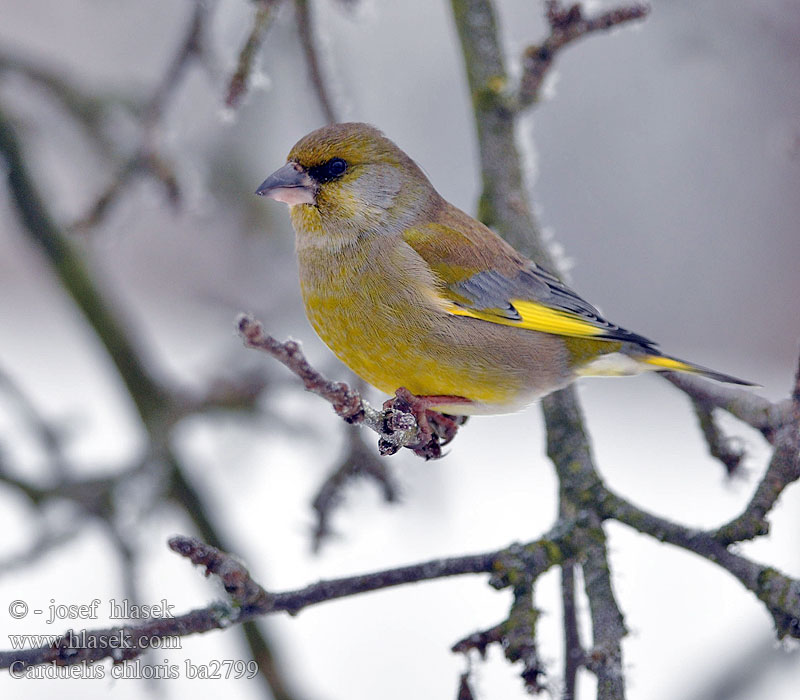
x=358, y=462
x=479, y=641
x=147, y=159
x=721, y=447
x=189, y=49
x=778, y=592
x=783, y=469
x=516, y=636
x=234, y=576
x=156, y=405
x=755, y=411
x=464, y=688
x=348, y=404
x=88, y=110
x=47, y=541
x=396, y=424
x=262, y=21
x=47, y=436
x=250, y=600
x=74, y=276
x=566, y=25
x=306, y=28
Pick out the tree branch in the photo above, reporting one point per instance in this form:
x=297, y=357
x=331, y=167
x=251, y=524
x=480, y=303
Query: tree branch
x=396, y=425
x=754, y=410
x=156, y=405
x=146, y=158
x=777, y=591
x=504, y=205
x=573, y=650
x=249, y=600
x=359, y=462
x=262, y=21
x=783, y=469
x=75, y=279
x=720, y=446
x=566, y=25
x=306, y=28
x=608, y=628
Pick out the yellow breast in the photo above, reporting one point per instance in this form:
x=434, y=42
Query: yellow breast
x=384, y=320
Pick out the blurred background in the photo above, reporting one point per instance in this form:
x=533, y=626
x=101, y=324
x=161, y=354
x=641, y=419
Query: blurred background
x=665, y=164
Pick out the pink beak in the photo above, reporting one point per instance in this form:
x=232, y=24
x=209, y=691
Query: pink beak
x=290, y=184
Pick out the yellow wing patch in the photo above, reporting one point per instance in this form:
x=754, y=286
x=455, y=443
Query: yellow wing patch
x=537, y=317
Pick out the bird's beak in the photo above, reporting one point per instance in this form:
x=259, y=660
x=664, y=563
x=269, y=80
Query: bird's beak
x=290, y=184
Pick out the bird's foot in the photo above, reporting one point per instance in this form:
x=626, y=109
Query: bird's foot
x=435, y=429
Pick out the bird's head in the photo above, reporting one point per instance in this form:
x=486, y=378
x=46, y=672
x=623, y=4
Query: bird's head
x=350, y=180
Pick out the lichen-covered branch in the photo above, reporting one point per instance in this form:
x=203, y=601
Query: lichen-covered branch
x=574, y=656
x=604, y=659
x=516, y=635
x=777, y=591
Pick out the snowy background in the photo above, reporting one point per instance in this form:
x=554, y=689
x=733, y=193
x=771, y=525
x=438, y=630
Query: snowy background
x=666, y=163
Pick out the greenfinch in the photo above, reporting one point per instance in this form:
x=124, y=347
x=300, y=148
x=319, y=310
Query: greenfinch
x=409, y=291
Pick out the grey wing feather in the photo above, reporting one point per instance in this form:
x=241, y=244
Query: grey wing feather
x=491, y=289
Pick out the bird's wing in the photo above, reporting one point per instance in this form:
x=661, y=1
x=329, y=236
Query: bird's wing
x=483, y=277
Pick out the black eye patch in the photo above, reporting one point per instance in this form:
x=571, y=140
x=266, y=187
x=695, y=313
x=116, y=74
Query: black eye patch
x=334, y=168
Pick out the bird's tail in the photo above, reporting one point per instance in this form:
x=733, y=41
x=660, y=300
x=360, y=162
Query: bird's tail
x=665, y=363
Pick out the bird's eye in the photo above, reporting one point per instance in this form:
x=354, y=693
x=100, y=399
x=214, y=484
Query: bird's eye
x=335, y=167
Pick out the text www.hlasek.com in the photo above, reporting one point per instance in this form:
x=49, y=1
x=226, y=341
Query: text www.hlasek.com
x=84, y=640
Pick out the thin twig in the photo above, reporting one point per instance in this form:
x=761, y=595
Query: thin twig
x=146, y=159
x=754, y=410
x=156, y=405
x=87, y=109
x=239, y=81
x=359, y=462
x=721, y=447
x=516, y=636
x=783, y=469
x=566, y=25
x=46, y=435
x=305, y=27
x=396, y=424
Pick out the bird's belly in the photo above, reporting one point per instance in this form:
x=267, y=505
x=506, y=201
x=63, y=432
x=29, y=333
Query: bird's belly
x=394, y=342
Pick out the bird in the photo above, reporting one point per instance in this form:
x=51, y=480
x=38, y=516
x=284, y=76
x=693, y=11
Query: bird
x=417, y=296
